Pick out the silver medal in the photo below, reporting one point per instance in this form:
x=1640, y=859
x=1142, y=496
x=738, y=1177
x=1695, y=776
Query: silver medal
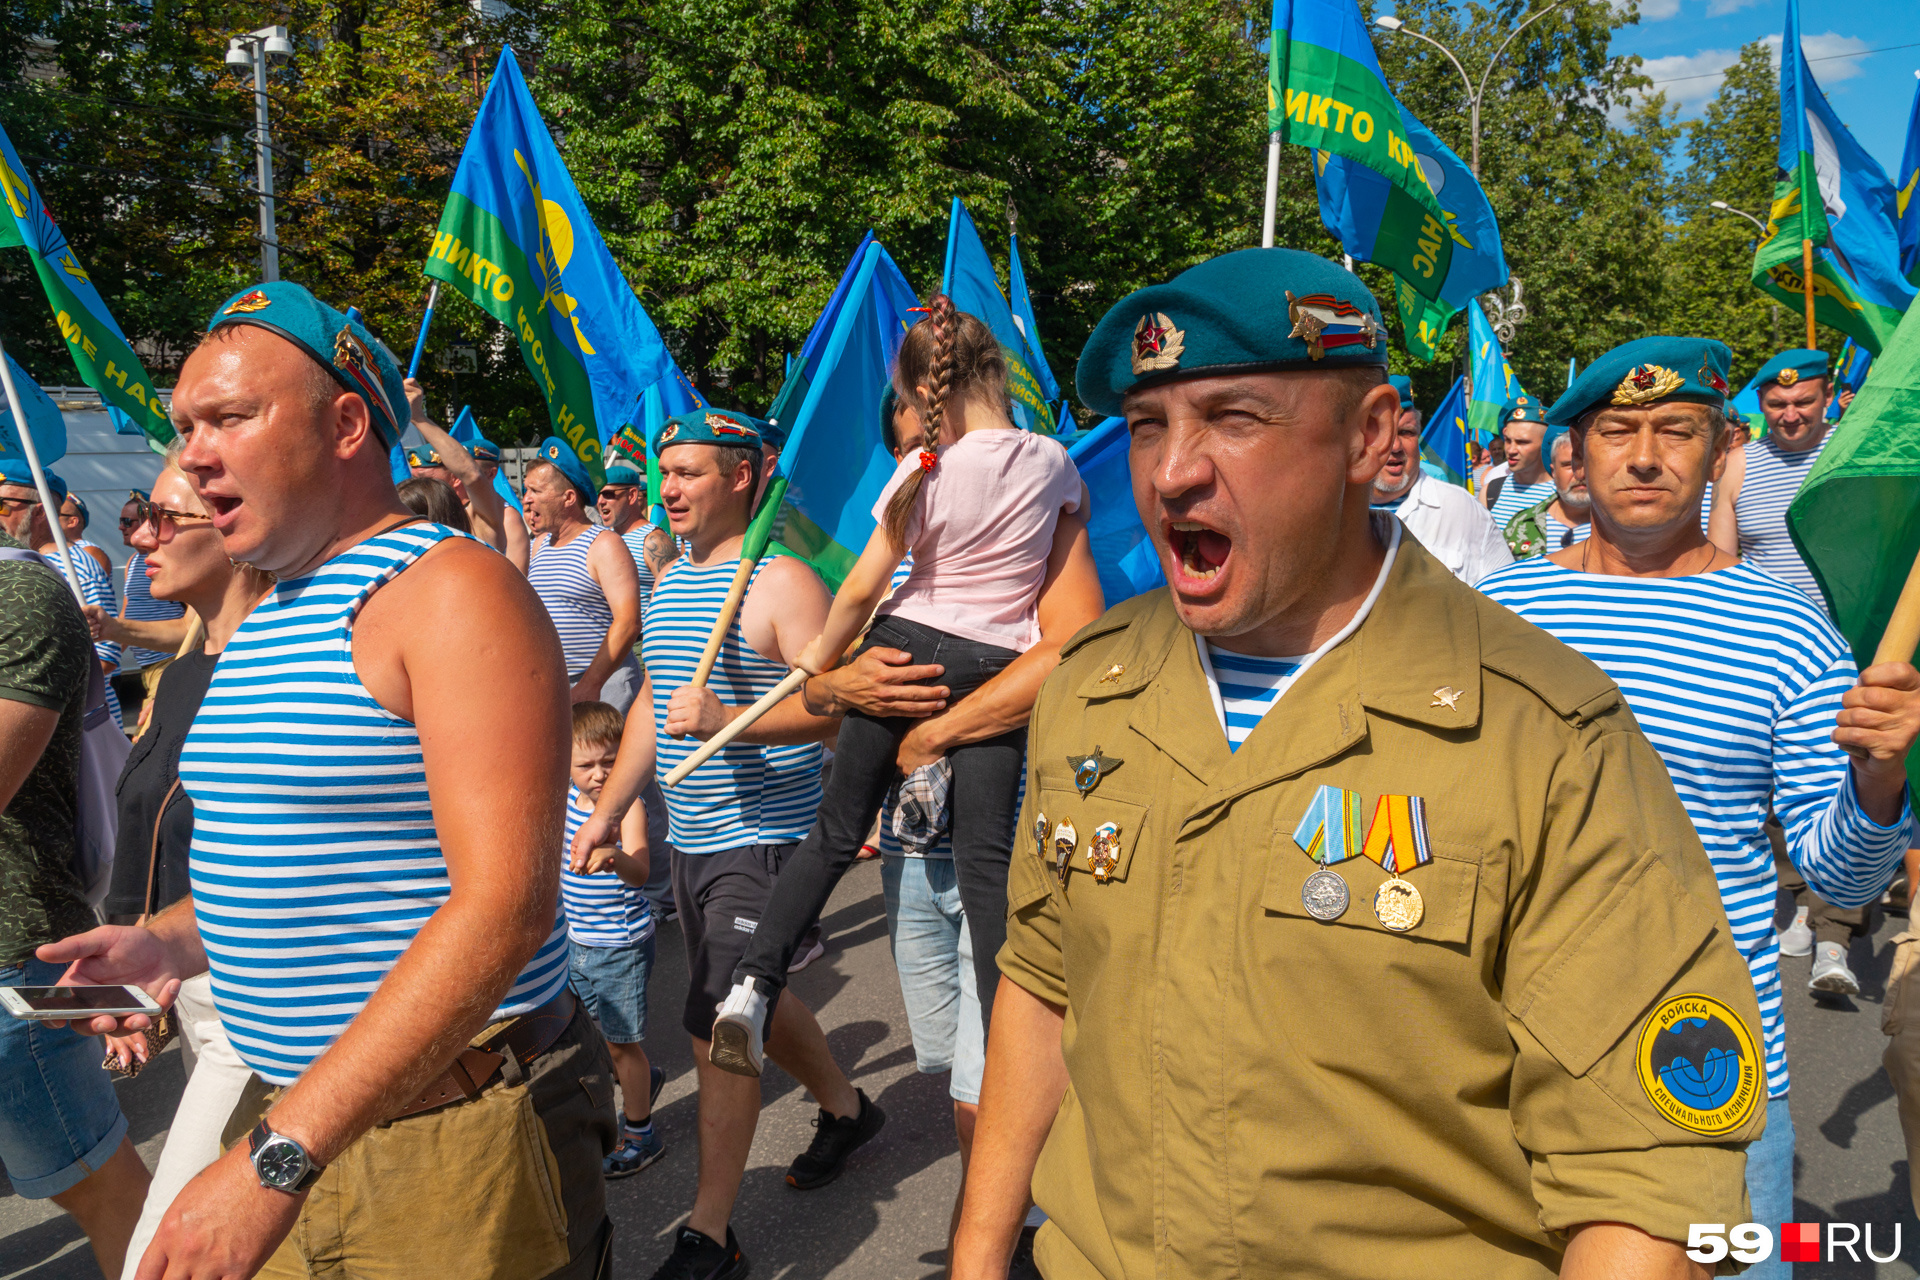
x=1324, y=895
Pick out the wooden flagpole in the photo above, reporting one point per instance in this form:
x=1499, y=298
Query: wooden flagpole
x=1806, y=283
x=737, y=726
x=1902, y=635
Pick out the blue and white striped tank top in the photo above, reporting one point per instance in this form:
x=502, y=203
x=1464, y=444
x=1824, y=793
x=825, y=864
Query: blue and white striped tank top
x=1760, y=509
x=746, y=794
x=602, y=909
x=315, y=859
x=96, y=588
x=142, y=607
x=636, y=540
x=574, y=600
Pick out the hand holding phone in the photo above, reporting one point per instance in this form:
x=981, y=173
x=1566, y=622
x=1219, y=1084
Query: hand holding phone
x=110, y=955
x=65, y=1004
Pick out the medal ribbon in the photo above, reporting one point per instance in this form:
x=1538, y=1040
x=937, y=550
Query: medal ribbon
x=1397, y=840
x=1330, y=831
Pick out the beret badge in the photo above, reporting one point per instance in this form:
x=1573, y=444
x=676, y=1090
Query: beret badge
x=1323, y=321
x=1711, y=376
x=673, y=429
x=1646, y=383
x=1787, y=377
x=253, y=300
x=553, y=451
x=1157, y=345
x=719, y=422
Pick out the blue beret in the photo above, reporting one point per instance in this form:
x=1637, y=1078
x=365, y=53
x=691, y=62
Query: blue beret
x=423, y=457
x=1646, y=371
x=142, y=494
x=86, y=517
x=358, y=361
x=1790, y=367
x=889, y=405
x=16, y=471
x=1524, y=409
x=1548, y=439
x=1404, y=385
x=1257, y=310
x=727, y=427
x=483, y=449
x=560, y=455
x=622, y=474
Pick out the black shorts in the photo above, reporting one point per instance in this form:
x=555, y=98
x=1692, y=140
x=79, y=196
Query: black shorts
x=720, y=897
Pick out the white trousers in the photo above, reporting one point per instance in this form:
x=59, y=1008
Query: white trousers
x=215, y=1079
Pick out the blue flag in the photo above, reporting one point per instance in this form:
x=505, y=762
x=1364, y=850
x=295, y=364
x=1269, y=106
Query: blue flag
x=49, y=429
x=800, y=368
x=1024, y=320
x=1122, y=550
x=517, y=240
x=1905, y=205
x=836, y=458
x=1444, y=440
x=1849, y=372
x=971, y=282
x=1357, y=203
x=1572, y=370
x=1494, y=388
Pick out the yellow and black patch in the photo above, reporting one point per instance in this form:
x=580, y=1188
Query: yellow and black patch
x=1700, y=1065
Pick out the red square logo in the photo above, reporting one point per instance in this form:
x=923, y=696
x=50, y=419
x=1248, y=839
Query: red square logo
x=1800, y=1242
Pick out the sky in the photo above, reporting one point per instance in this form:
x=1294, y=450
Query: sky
x=1686, y=44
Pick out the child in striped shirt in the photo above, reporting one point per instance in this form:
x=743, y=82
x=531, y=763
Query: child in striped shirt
x=610, y=934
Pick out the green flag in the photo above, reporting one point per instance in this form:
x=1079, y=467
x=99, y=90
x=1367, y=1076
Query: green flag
x=1423, y=320
x=1856, y=520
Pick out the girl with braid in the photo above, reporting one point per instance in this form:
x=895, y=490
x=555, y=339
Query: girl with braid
x=978, y=507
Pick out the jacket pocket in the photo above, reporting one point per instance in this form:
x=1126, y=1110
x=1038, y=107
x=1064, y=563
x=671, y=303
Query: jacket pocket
x=1447, y=887
x=1127, y=811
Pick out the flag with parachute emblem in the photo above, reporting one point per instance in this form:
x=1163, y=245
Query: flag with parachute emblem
x=1849, y=371
x=1830, y=191
x=1358, y=207
x=1029, y=324
x=517, y=240
x=99, y=349
x=1444, y=441
x=1494, y=390
x=973, y=285
x=1325, y=91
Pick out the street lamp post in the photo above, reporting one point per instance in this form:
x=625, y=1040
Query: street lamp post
x=260, y=49
x=1474, y=95
x=1761, y=227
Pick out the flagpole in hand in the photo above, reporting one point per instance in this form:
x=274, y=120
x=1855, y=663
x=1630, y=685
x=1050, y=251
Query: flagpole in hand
x=1902, y=635
x=32, y=451
x=426, y=322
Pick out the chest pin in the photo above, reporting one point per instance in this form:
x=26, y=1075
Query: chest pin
x=1104, y=856
x=1065, y=841
x=1088, y=770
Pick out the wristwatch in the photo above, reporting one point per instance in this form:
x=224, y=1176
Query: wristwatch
x=280, y=1162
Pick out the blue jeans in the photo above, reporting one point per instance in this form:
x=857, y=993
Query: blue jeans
x=612, y=983
x=1770, y=1186
x=59, y=1116
x=928, y=929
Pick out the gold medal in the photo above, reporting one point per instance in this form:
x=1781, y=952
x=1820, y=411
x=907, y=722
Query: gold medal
x=1398, y=905
x=1105, y=854
x=1065, y=841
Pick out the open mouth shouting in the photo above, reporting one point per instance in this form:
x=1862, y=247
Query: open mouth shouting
x=1199, y=553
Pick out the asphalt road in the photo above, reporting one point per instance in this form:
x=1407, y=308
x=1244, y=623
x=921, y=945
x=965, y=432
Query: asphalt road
x=887, y=1217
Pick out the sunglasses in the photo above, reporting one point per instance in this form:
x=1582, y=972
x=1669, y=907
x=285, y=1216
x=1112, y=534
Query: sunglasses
x=151, y=516
x=10, y=505
x=616, y=491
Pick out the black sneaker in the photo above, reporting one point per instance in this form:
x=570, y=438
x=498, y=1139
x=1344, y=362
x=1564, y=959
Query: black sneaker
x=834, y=1140
x=697, y=1256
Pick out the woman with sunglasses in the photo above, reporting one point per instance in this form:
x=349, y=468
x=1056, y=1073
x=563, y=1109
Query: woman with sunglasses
x=185, y=561
x=137, y=602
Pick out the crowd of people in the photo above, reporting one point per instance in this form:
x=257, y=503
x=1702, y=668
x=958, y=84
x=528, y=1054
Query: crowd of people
x=1182, y=895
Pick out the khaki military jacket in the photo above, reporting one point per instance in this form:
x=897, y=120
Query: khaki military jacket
x=1256, y=1092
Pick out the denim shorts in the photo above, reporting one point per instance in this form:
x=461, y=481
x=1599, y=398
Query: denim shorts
x=933, y=953
x=59, y=1116
x=612, y=983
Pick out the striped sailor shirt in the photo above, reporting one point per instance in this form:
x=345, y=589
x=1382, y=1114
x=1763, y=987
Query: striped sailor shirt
x=1772, y=479
x=574, y=601
x=1736, y=678
x=602, y=909
x=1515, y=497
x=142, y=607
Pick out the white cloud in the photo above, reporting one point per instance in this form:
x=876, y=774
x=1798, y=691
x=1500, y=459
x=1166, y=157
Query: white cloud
x=1660, y=10
x=1691, y=79
x=1721, y=8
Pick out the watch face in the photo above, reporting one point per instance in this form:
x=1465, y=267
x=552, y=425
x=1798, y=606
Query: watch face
x=281, y=1163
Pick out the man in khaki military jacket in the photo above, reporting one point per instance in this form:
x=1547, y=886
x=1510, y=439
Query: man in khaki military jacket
x=1354, y=928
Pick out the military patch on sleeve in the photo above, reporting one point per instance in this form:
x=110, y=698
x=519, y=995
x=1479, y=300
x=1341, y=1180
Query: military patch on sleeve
x=1700, y=1065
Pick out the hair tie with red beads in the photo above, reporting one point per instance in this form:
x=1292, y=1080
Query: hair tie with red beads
x=927, y=458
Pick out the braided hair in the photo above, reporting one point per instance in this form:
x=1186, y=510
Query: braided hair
x=954, y=356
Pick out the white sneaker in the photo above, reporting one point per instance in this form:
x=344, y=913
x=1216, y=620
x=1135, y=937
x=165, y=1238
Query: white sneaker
x=1830, y=972
x=808, y=956
x=1797, y=938
x=737, y=1032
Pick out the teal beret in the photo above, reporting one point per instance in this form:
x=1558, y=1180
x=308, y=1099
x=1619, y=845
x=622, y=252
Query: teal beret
x=483, y=449
x=1646, y=371
x=1257, y=310
x=889, y=405
x=16, y=471
x=85, y=517
x=1790, y=367
x=423, y=457
x=1548, y=439
x=1524, y=409
x=358, y=361
x=1404, y=385
x=560, y=455
x=620, y=474
x=727, y=427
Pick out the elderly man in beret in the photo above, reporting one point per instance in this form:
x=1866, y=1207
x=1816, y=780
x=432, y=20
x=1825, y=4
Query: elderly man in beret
x=374, y=885
x=1745, y=688
x=1448, y=520
x=1278, y=997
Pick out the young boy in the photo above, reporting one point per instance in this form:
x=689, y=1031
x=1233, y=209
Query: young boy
x=610, y=934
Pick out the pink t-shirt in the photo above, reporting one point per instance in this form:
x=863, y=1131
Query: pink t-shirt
x=981, y=533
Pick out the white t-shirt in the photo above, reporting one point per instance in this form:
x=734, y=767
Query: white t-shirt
x=981, y=533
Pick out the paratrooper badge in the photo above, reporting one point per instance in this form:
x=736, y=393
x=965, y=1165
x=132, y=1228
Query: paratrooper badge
x=1088, y=770
x=1157, y=345
x=252, y=300
x=1646, y=383
x=666, y=437
x=1787, y=377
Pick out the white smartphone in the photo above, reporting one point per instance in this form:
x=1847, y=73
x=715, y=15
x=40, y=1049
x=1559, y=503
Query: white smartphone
x=45, y=1004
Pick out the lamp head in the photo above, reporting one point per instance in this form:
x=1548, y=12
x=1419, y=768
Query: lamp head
x=1388, y=21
